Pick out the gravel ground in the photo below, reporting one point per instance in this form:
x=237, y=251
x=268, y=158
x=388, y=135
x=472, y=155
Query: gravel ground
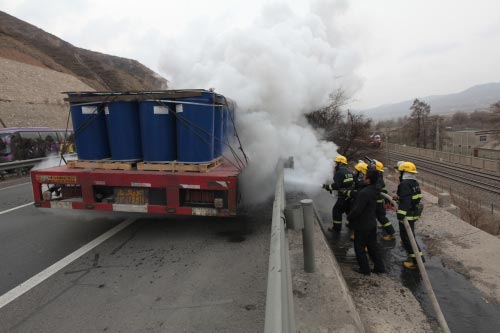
x=462, y=247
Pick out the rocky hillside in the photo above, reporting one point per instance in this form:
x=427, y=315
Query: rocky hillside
x=31, y=95
x=35, y=67
x=26, y=43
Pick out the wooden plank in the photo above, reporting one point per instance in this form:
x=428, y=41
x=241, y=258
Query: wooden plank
x=105, y=165
x=179, y=166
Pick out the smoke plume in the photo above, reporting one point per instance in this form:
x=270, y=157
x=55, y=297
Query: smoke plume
x=278, y=68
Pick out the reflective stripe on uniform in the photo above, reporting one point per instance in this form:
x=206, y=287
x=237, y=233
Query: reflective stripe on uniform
x=337, y=222
x=412, y=218
x=387, y=224
x=416, y=196
x=402, y=212
x=412, y=255
x=348, y=180
x=380, y=201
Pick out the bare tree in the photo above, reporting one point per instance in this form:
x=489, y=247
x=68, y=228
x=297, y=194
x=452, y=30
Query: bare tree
x=351, y=135
x=328, y=117
x=418, y=121
x=348, y=130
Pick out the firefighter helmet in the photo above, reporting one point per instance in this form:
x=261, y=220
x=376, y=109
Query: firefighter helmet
x=361, y=167
x=398, y=164
x=408, y=167
x=341, y=159
x=379, y=166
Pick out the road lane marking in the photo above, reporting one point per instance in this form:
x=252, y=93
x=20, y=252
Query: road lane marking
x=10, y=210
x=9, y=187
x=51, y=270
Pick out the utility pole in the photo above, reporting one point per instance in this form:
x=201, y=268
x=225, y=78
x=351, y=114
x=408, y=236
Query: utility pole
x=388, y=162
x=438, y=146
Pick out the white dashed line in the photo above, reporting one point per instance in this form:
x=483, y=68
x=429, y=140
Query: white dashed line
x=48, y=272
x=10, y=210
x=9, y=187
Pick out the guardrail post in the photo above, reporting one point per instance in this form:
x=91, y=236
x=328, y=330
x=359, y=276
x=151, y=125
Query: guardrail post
x=308, y=235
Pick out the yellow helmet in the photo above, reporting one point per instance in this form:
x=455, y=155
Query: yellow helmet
x=407, y=167
x=361, y=167
x=379, y=166
x=341, y=159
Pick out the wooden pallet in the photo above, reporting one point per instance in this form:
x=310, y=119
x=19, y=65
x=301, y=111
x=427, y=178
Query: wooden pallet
x=103, y=164
x=179, y=166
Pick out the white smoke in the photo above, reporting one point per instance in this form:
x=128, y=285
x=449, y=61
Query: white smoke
x=53, y=161
x=281, y=67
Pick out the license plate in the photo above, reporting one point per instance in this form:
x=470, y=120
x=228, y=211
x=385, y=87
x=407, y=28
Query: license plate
x=131, y=196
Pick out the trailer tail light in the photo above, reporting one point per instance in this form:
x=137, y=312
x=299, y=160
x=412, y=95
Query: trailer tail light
x=219, y=203
x=203, y=198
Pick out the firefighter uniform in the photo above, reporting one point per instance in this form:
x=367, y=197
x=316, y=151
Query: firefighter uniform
x=409, y=207
x=380, y=209
x=343, y=181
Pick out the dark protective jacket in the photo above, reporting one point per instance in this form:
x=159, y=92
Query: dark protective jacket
x=343, y=179
x=381, y=187
x=409, y=200
x=362, y=215
x=358, y=184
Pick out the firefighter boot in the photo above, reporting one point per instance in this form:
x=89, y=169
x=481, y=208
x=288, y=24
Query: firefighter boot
x=409, y=264
x=389, y=237
x=335, y=227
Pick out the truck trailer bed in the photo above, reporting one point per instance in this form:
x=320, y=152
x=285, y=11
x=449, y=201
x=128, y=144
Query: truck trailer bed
x=212, y=193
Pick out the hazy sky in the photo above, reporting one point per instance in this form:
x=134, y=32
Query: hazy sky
x=398, y=49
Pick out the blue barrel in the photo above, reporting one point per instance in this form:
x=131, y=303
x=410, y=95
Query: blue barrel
x=89, y=126
x=122, y=120
x=218, y=130
x=158, y=134
x=195, y=129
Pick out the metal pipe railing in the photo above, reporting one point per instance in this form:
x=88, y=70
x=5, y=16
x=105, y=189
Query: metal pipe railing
x=279, y=299
x=425, y=277
x=26, y=163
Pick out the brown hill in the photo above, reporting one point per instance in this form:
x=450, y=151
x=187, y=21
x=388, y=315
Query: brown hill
x=23, y=42
x=35, y=67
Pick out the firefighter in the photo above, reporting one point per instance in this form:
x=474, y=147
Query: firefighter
x=342, y=182
x=359, y=174
x=363, y=221
x=409, y=207
x=380, y=211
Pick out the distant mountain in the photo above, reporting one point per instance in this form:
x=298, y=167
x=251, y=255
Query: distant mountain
x=476, y=97
x=23, y=42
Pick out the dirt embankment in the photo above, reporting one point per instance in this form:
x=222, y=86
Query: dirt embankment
x=31, y=95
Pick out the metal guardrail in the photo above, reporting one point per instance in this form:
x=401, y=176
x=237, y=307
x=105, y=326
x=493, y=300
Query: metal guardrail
x=26, y=163
x=279, y=301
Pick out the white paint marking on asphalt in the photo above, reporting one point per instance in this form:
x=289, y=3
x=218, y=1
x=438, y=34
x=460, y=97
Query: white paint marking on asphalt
x=6, y=188
x=48, y=272
x=10, y=210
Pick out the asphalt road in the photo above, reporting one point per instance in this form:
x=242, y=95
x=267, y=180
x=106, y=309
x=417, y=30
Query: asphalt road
x=158, y=274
